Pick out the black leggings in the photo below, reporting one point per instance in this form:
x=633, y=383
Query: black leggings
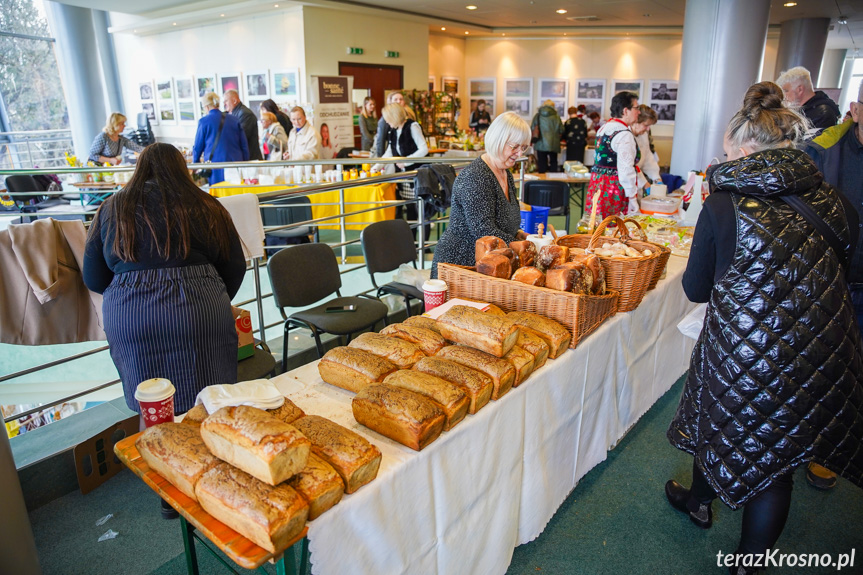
x=546, y=162
x=764, y=516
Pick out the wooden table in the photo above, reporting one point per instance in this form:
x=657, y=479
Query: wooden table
x=88, y=199
x=193, y=517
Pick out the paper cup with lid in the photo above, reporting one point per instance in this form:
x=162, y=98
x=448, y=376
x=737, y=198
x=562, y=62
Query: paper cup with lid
x=434, y=293
x=156, y=398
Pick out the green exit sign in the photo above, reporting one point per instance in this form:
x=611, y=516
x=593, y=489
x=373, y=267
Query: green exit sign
x=391, y=54
x=355, y=51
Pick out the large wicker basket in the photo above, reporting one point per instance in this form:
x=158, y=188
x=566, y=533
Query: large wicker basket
x=664, y=253
x=629, y=276
x=581, y=314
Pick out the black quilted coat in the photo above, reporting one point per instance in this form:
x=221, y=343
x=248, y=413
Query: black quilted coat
x=776, y=377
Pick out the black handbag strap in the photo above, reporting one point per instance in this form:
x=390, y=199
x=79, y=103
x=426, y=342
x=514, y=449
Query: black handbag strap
x=218, y=136
x=805, y=210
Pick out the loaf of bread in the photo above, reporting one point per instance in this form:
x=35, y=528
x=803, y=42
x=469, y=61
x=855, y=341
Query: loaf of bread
x=402, y=415
x=353, y=369
x=354, y=459
x=423, y=322
x=256, y=442
x=510, y=255
x=495, y=265
x=430, y=342
x=560, y=278
x=530, y=276
x=477, y=385
x=581, y=277
x=489, y=307
x=534, y=345
x=452, y=399
x=177, y=453
x=469, y=326
x=550, y=256
x=319, y=484
x=555, y=335
x=397, y=351
x=286, y=412
x=523, y=363
x=526, y=252
x=485, y=244
x=594, y=264
x=501, y=372
x=196, y=415
x=271, y=517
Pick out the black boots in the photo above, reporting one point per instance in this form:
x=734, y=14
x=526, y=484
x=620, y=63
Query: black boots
x=699, y=513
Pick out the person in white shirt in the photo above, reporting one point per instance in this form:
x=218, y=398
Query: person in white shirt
x=274, y=136
x=648, y=166
x=613, y=172
x=304, y=142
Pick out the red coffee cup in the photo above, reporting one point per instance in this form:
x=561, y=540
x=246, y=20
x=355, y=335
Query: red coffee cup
x=434, y=293
x=156, y=398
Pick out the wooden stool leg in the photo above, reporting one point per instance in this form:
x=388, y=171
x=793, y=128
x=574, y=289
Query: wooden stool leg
x=189, y=546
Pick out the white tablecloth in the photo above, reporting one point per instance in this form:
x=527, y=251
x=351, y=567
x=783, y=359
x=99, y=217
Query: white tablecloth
x=493, y=482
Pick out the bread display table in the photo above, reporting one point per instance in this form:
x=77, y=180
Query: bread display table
x=239, y=549
x=494, y=481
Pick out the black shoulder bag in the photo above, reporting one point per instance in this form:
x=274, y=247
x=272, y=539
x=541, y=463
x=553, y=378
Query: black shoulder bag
x=805, y=210
x=205, y=173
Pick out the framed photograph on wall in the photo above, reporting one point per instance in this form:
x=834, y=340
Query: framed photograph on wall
x=449, y=84
x=205, y=83
x=167, y=114
x=517, y=96
x=145, y=91
x=254, y=104
x=186, y=100
x=164, y=90
x=147, y=95
x=553, y=89
x=590, y=90
x=432, y=83
x=184, y=88
x=663, y=90
x=230, y=81
x=286, y=84
x=256, y=85
x=634, y=86
x=484, y=88
x=665, y=112
x=150, y=109
x=186, y=112
x=489, y=105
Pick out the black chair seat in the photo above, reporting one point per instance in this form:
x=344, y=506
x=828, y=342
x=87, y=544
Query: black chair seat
x=401, y=289
x=368, y=312
x=386, y=246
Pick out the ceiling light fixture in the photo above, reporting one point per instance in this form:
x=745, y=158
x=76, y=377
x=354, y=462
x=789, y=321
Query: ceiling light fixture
x=842, y=21
x=466, y=33
x=275, y=5
x=442, y=28
x=174, y=23
x=561, y=11
x=222, y=15
x=471, y=7
x=790, y=4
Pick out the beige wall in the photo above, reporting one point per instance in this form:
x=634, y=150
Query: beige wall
x=447, y=58
x=328, y=34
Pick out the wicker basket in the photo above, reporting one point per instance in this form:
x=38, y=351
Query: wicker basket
x=664, y=253
x=581, y=314
x=628, y=276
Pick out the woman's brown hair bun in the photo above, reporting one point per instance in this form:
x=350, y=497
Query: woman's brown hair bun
x=764, y=96
x=765, y=122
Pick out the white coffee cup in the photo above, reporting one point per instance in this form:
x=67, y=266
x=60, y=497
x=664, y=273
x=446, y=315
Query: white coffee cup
x=434, y=293
x=156, y=398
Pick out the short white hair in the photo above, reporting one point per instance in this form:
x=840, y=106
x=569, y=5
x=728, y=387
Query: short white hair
x=508, y=128
x=797, y=76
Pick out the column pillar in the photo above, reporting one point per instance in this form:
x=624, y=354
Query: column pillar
x=723, y=47
x=108, y=58
x=80, y=72
x=801, y=43
x=831, y=69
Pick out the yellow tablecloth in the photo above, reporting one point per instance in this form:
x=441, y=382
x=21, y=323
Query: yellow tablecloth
x=373, y=193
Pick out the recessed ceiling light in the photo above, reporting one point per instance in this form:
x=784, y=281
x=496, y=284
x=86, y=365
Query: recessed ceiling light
x=443, y=28
x=503, y=34
x=174, y=23
x=222, y=15
x=561, y=11
x=466, y=33
x=275, y=5
x=790, y=4
x=471, y=7
x=564, y=33
x=842, y=21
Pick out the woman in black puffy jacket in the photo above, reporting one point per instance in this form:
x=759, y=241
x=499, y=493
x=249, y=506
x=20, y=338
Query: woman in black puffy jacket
x=776, y=377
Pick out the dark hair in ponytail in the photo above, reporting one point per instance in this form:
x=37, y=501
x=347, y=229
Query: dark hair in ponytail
x=765, y=122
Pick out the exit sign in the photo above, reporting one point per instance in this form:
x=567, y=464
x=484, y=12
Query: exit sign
x=355, y=51
x=391, y=54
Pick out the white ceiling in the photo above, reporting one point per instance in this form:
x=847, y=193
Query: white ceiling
x=511, y=17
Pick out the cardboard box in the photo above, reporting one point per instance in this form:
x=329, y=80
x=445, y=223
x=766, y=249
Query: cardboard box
x=245, y=340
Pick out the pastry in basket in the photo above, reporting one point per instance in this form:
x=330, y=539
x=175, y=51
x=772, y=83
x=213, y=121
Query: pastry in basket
x=271, y=517
x=526, y=252
x=469, y=326
x=510, y=255
x=256, y=442
x=555, y=335
x=490, y=307
x=319, y=485
x=430, y=342
x=550, y=256
x=398, y=351
x=522, y=361
x=570, y=276
x=534, y=345
x=501, y=372
x=477, y=385
x=400, y=414
x=452, y=398
x=423, y=322
x=594, y=264
x=355, y=459
x=495, y=265
x=530, y=276
x=353, y=369
x=486, y=244
x=177, y=453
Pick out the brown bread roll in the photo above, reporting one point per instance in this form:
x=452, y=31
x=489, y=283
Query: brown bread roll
x=177, y=453
x=501, y=372
x=582, y=282
x=402, y=415
x=534, y=345
x=485, y=244
x=494, y=265
x=196, y=415
x=353, y=369
x=510, y=255
x=561, y=278
x=287, y=412
x=530, y=276
x=469, y=326
x=423, y=322
x=477, y=385
x=526, y=252
x=550, y=256
x=430, y=342
x=271, y=517
x=319, y=484
x=398, y=351
x=449, y=396
x=355, y=459
x=594, y=264
x=523, y=363
x=555, y=335
x=256, y=442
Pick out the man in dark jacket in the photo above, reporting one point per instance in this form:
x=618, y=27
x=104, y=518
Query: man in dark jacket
x=248, y=121
x=838, y=153
x=816, y=106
